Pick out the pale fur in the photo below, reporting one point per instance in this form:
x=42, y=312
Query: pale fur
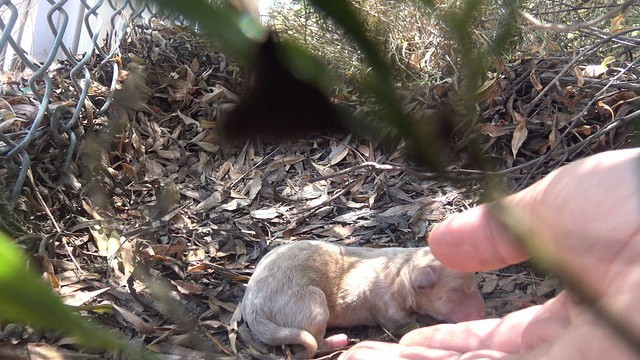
x=300, y=289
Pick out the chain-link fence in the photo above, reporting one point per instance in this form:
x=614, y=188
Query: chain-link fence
x=46, y=40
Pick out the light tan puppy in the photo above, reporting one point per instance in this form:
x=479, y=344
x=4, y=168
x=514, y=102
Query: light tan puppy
x=300, y=289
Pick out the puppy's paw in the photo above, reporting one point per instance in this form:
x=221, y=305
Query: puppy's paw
x=334, y=342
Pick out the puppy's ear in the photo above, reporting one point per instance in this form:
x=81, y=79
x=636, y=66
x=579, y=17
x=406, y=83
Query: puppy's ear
x=422, y=278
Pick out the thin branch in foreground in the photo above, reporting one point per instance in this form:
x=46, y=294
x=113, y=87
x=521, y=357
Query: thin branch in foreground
x=578, y=26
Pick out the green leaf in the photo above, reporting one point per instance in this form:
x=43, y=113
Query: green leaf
x=25, y=299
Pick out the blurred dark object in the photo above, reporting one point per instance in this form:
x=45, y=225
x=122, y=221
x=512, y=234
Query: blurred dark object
x=277, y=105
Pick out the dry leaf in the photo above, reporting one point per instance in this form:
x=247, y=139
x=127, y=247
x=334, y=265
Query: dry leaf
x=193, y=255
x=186, y=287
x=606, y=108
x=264, y=214
x=400, y=210
x=322, y=170
x=233, y=327
x=353, y=215
x=616, y=24
x=485, y=91
x=72, y=276
x=167, y=196
x=129, y=171
x=128, y=258
x=311, y=191
x=342, y=231
x=493, y=130
x=519, y=136
x=108, y=245
x=152, y=169
x=40, y=351
x=188, y=120
x=212, y=201
x=81, y=297
x=594, y=71
x=339, y=152
x=226, y=305
x=207, y=146
x=254, y=186
x=142, y=326
x=235, y=204
x=579, y=76
x=535, y=80
x=169, y=154
x=48, y=269
x=490, y=283
x=553, y=136
x=365, y=151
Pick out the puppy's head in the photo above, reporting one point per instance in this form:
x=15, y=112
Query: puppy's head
x=444, y=293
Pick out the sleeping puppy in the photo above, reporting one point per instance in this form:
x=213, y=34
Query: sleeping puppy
x=300, y=289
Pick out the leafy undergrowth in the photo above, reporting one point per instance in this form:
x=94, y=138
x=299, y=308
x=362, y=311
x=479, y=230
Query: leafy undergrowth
x=155, y=228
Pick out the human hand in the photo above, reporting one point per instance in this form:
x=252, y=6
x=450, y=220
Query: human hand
x=587, y=214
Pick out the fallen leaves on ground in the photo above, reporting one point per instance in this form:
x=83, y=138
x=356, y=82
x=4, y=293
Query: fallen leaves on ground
x=156, y=227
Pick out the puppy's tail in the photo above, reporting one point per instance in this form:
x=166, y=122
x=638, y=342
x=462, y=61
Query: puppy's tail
x=275, y=335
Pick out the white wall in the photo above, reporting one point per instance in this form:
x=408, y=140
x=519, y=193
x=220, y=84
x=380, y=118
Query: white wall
x=34, y=35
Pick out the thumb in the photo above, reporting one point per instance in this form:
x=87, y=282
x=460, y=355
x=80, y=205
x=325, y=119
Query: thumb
x=475, y=241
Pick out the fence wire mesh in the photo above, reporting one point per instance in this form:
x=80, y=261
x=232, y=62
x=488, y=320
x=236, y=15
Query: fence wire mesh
x=43, y=41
